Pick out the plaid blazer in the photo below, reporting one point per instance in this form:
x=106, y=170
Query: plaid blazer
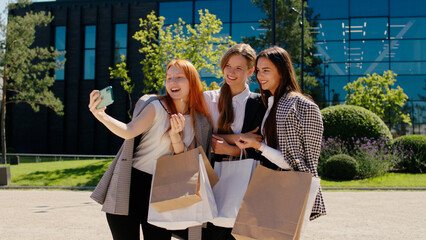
x=113, y=190
x=299, y=131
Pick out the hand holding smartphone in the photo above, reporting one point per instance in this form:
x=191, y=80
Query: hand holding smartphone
x=107, y=97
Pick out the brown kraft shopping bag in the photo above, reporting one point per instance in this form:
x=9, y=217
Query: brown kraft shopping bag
x=176, y=180
x=273, y=206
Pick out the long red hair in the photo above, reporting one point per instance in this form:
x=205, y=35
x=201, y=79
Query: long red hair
x=196, y=102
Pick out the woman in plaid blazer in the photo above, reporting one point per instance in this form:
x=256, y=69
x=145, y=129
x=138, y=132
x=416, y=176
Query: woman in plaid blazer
x=292, y=127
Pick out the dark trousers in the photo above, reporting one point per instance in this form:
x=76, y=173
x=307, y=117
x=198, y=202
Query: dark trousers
x=128, y=227
x=213, y=232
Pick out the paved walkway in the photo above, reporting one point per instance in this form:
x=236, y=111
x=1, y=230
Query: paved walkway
x=72, y=215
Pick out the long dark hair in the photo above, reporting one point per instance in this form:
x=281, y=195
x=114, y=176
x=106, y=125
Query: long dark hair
x=226, y=112
x=288, y=84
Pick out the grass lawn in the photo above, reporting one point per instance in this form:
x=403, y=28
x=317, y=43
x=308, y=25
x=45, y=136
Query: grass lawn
x=87, y=173
x=80, y=173
x=391, y=179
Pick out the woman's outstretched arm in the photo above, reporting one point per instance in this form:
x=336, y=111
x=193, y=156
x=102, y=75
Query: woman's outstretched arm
x=127, y=131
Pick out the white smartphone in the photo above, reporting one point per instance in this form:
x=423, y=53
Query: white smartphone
x=107, y=97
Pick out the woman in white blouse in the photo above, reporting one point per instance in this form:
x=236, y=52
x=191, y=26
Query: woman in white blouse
x=233, y=106
x=168, y=125
x=292, y=126
x=234, y=110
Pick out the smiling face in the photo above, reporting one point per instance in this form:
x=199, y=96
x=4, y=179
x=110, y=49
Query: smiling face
x=236, y=73
x=267, y=75
x=177, y=85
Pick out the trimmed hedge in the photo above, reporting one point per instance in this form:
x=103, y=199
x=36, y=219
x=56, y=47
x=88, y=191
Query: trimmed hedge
x=350, y=123
x=415, y=148
x=341, y=167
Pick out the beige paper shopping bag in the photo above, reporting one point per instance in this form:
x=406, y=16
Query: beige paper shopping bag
x=176, y=180
x=273, y=206
x=191, y=216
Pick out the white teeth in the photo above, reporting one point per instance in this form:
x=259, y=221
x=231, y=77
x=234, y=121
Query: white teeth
x=231, y=78
x=175, y=89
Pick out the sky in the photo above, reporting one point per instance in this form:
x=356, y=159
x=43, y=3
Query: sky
x=3, y=4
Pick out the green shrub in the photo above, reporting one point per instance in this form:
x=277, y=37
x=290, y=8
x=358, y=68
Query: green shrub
x=341, y=166
x=374, y=156
x=414, y=147
x=351, y=123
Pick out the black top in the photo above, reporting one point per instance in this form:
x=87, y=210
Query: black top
x=253, y=117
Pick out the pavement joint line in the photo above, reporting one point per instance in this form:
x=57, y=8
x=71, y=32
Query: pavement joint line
x=323, y=188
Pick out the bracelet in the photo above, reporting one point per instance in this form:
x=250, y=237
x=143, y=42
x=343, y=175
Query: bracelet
x=176, y=142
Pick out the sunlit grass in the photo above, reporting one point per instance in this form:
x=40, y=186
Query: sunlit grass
x=388, y=180
x=81, y=173
x=87, y=173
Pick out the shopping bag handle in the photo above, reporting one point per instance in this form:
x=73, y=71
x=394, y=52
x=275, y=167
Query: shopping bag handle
x=241, y=154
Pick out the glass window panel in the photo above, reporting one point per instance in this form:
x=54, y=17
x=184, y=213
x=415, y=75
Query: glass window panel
x=205, y=74
x=408, y=50
x=172, y=11
x=224, y=32
x=337, y=69
x=240, y=30
x=209, y=80
x=412, y=85
x=331, y=30
x=121, y=35
x=369, y=50
x=407, y=8
x=220, y=8
x=329, y=8
x=89, y=64
x=363, y=68
x=365, y=8
x=60, y=73
x=90, y=36
x=60, y=45
x=418, y=111
x=368, y=28
x=333, y=51
x=246, y=11
x=117, y=54
x=403, y=28
x=254, y=86
x=334, y=85
x=409, y=67
x=60, y=36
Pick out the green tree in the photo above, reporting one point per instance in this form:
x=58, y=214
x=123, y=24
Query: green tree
x=335, y=101
x=120, y=72
x=162, y=44
x=375, y=92
x=26, y=69
x=288, y=35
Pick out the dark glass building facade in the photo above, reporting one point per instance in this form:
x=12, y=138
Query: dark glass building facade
x=360, y=37
x=354, y=38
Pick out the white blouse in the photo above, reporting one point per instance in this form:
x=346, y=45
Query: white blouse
x=268, y=152
x=156, y=142
x=238, y=103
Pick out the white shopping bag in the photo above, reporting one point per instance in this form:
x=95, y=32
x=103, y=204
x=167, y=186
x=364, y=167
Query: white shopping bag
x=193, y=215
x=313, y=191
x=234, y=177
